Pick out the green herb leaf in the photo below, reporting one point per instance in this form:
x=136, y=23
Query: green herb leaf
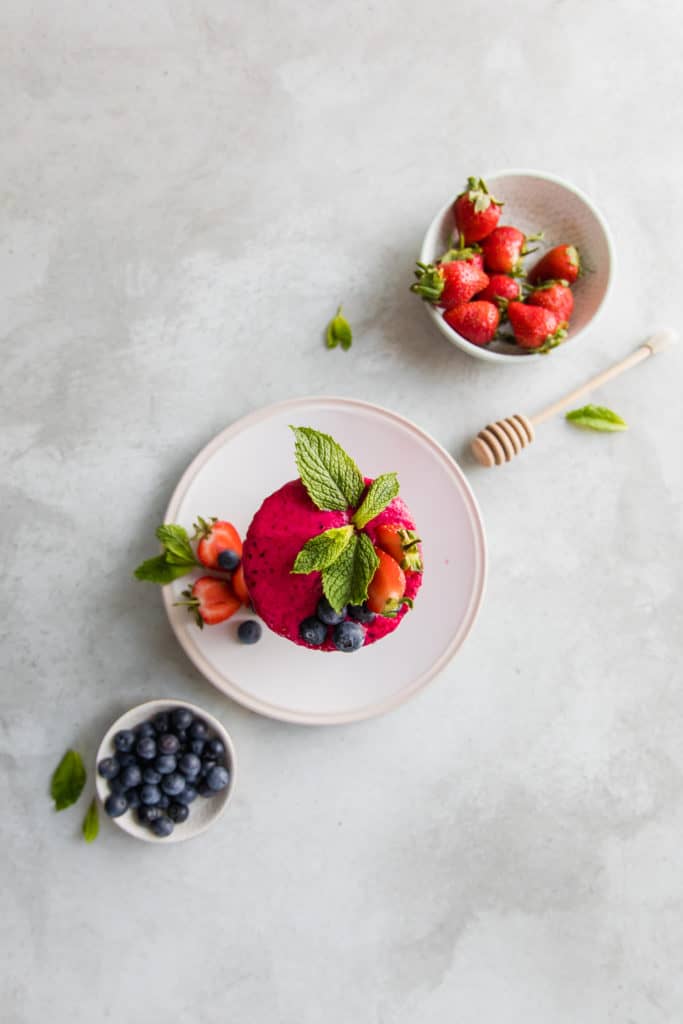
x=596, y=417
x=160, y=570
x=322, y=550
x=339, y=332
x=91, y=822
x=346, y=581
x=381, y=491
x=68, y=780
x=176, y=543
x=330, y=476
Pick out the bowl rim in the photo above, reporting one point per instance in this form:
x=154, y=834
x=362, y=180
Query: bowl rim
x=502, y=357
x=141, y=712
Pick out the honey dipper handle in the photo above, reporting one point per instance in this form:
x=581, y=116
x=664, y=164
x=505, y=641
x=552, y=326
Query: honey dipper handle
x=657, y=343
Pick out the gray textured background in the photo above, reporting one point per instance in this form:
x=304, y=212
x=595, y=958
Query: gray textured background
x=188, y=189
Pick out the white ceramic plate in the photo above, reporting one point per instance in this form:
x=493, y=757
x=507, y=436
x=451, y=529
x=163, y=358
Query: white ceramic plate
x=248, y=461
x=537, y=201
x=203, y=811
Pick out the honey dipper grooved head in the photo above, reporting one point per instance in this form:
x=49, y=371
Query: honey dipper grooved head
x=501, y=441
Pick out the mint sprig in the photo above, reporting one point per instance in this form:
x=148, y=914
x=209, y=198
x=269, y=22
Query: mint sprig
x=177, y=559
x=346, y=580
x=321, y=551
x=330, y=476
x=382, y=490
x=597, y=417
x=68, y=780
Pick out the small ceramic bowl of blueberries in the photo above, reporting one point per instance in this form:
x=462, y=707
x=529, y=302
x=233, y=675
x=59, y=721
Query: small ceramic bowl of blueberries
x=165, y=771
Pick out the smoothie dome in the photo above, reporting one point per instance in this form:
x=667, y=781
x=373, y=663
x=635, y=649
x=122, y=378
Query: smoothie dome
x=332, y=560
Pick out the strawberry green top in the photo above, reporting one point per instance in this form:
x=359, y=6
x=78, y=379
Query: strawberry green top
x=287, y=519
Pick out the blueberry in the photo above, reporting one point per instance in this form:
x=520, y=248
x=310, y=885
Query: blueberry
x=150, y=795
x=165, y=764
x=204, y=789
x=161, y=722
x=326, y=613
x=215, y=748
x=108, y=768
x=189, y=765
x=162, y=826
x=131, y=776
x=349, y=636
x=151, y=775
x=249, y=631
x=173, y=784
x=146, y=748
x=133, y=798
x=228, y=559
x=207, y=766
x=168, y=743
x=144, y=729
x=179, y=813
x=187, y=795
x=361, y=613
x=199, y=730
x=183, y=738
x=124, y=740
x=218, y=778
x=164, y=802
x=117, y=785
x=313, y=632
x=197, y=747
x=148, y=814
x=115, y=805
x=123, y=759
x=181, y=718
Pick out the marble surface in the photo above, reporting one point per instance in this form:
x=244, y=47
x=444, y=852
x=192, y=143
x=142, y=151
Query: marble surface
x=188, y=190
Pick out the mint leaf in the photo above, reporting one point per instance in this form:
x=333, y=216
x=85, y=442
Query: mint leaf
x=159, y=570
x=381, y=491
x=596, y=417
x=176, y=543
x=321, y=551
x=346, y=581
x=68, y=780
x=339, y=332
x=91, y=822
x=330, y=476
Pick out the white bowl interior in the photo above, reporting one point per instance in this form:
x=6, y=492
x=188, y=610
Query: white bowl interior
x=204, y=811
x=535, y=202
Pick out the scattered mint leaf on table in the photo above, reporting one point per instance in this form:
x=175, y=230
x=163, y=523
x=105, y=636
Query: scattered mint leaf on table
x=91, y=822
x=330, y=476
x=346, y=581
x=382, y=490
x=68, y=780
x=339, y=332
x=321, y=551
x=597, y=417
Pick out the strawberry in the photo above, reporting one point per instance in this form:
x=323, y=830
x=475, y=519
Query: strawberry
x=401, y=544
x=535, y=327
x=239, y=586
x=555, y=296
x=501, y=289
x=219, y=545
x=449, y=284
x=503, y=250
x=476, y=321
x=387, y=587
x=562, y=263
x=476, y=212
x=210, y=601
x=471, y=253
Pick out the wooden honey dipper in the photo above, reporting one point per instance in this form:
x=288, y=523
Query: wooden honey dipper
x=499, y=442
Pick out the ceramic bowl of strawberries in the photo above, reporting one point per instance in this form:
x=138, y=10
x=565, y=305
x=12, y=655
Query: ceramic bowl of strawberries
x=515, y=266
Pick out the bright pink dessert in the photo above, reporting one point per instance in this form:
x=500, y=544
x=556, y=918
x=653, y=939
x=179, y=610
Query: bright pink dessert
x=286, y=520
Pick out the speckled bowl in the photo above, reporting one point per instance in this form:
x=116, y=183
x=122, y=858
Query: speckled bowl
x=203, y=811
x=535, y=201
